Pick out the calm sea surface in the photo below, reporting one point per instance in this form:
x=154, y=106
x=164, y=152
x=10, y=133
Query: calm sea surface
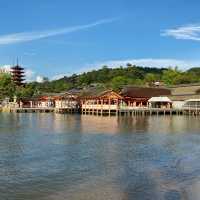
x=73, y=157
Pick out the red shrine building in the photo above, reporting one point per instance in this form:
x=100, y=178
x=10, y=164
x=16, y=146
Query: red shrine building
x=128, y=99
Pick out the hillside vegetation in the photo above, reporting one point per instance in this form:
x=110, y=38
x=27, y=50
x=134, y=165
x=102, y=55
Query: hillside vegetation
x=110, y=78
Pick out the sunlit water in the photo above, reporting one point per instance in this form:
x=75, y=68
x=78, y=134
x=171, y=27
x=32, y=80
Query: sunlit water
x=73, y=157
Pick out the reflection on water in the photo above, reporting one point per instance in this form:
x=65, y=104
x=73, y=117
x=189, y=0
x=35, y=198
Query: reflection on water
x=50, y=156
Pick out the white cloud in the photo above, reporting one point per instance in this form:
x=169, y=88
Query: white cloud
x=188, y=32
x=29, y=75
x=145, y=62
x=5, y=67
x=58, y=76
x=29, y=36
x=39, y=79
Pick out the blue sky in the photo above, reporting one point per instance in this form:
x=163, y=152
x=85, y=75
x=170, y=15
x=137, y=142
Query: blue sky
x=62, y=37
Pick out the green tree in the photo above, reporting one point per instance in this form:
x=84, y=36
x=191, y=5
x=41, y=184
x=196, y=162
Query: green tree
x=118, y=82
x=7, y=87
x=169, y=76
x=150, y=78
x=26, y=91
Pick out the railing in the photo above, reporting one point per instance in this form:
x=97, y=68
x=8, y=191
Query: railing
x=104, y=107
x=119, y=107
x=37, y=107
x=124, y=107
x=191, y=107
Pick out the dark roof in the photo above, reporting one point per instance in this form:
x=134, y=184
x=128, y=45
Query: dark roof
x=17, y=67
x=144, y=92
x=92, y=92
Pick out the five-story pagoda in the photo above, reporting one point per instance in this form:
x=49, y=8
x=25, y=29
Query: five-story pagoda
x=18, y=75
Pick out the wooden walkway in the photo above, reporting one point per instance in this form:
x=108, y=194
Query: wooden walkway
x=151, y=111
x=32, y=110
x=44, y=110
x=119, y=112
x=143, y=111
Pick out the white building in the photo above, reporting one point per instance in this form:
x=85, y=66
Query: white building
x=160, y=102
x=192, y=104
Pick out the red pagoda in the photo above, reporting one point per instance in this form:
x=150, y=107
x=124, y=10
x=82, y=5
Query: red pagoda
x=18, y=75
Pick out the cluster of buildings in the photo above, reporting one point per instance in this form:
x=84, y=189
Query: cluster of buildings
x=94, y=101
x=99, y=101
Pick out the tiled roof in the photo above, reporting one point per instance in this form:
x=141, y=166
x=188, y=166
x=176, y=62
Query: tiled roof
x=144, y=92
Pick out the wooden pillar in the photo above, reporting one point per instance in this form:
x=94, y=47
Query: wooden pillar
x=117, y=107
x=21, y=104
x=109, y=106
x=93, y=104
x=101, y=107
x=61, y=103
x=31, y=104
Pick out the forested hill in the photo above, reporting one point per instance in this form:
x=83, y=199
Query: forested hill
x=132, y=74
x=108, y=78
x=111, y=78
x=116, y=78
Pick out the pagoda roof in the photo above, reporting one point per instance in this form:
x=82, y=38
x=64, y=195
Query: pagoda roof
x=18, y=75
x=18, y=80
x=17, y=67
x=17, y=72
